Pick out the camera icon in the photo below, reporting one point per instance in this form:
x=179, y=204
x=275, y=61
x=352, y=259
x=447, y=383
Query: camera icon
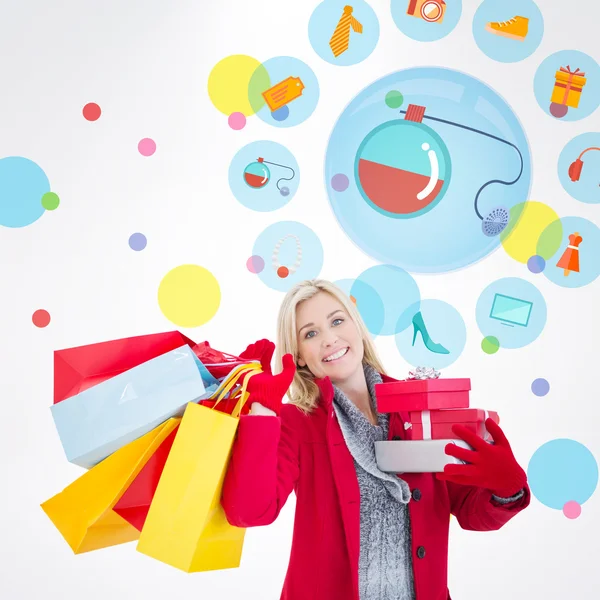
x=431, y=11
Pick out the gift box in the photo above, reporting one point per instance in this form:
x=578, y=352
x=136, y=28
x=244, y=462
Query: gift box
x=568, y=86
x=422, y=394
x=416, y=456
x=437, y=424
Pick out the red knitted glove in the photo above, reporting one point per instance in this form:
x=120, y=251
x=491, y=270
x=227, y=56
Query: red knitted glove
x=261, y=351
x=492, y=466
x=268, y=389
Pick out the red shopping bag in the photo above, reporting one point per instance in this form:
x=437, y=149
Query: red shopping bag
x=134, y=504
x=219, y=364
x=77, y=369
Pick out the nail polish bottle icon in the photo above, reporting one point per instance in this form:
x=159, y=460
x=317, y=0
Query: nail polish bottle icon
x=569, y=261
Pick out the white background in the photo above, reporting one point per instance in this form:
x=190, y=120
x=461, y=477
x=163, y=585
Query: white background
x=146, y=63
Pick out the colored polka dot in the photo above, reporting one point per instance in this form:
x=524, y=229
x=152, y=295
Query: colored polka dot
x=41, y=318
x=50, y=201
x=284, y=191
x=281, y=114
x=147, y=147
x=283, y=272
x=490, y=344
x=394, y=99
x=189, y=296
x=91, y=111
x=340, y=182
x=568, y=462
x=237, y=121
x=353, y=299
x=572, y=509
x=137, y=241
x=255, y=264
x=540, y=387
x=528, y=221
x=536, y=264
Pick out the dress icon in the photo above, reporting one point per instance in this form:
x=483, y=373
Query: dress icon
x=569, y=261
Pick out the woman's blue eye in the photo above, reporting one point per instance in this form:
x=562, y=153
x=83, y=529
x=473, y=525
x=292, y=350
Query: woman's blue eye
x=340, y=320
x=308, y=334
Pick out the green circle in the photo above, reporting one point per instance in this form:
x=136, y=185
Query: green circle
x=394, y=99
x=490, y=344
x=50, y=201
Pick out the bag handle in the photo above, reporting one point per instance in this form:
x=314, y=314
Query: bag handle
x=232, y=379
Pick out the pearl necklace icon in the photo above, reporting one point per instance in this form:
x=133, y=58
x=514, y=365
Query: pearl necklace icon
x=282, y=270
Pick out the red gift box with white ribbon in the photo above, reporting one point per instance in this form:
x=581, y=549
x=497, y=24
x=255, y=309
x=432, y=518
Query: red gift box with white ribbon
x=437, y=424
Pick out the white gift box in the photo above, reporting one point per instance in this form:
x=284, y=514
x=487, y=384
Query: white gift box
x=416, y=456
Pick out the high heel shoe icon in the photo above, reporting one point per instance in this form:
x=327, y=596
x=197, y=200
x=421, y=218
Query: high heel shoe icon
x=419, y=327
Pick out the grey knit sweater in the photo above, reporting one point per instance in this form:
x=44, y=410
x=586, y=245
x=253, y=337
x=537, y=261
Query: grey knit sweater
x=385, y=563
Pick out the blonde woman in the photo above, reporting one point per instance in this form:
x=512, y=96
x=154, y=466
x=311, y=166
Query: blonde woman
x=359, y=533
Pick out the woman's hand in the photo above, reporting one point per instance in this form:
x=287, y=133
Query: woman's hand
x=262, y=350
x=491, y=466
x=267, y=390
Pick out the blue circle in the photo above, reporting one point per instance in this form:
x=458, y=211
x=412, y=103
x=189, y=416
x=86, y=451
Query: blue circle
x=368, y=303
x=450, y=236
x=511, y=310
x=406, y=168
x=588, y=253
x=544, y=80
x=540, y=387
x=437, y=337
x=281, y=114
x=562, y=471
x=288, y=234
x=580, y=177
x=260, y=185
x=395, y=292
x=137, y=241
x=409, y=20
x=536, y=263
x=286, y=74
x=323, y=23
x=502, y=48
x=22, y=185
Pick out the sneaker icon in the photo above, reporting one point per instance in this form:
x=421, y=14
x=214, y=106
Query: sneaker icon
x=515, y=28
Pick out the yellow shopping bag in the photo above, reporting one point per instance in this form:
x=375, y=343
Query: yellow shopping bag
x=186, y=526
x=83, y=513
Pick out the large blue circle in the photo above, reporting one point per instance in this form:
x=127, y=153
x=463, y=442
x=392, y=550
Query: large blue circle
x=449, y=236
x=22, y=185
x=562, y=471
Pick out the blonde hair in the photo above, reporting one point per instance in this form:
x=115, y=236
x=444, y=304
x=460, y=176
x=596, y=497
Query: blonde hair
x=304, y=392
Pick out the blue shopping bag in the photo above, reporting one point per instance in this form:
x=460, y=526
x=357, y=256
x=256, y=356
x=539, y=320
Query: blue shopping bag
x=98, y=421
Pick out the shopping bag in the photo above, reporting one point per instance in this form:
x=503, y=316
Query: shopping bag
x=134, y=504
x=83, y=513
x=77, y=369
x=186, y=526
x=98, y=421
x=220, y=364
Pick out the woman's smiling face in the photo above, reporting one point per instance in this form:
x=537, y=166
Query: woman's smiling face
x=329, y=342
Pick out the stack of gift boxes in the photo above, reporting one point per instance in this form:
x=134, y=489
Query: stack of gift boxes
x=433, y=407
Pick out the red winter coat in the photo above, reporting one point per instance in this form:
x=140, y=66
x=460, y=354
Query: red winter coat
x=308, y=454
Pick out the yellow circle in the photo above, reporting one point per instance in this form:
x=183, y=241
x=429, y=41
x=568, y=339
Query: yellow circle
x=530, y=220
x=229, y=84
x=189, y=296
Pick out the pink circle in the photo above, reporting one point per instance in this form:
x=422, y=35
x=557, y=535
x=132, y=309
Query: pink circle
x=572, y=509
x=255, y=264
x=147, y=147
x=237, y=121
